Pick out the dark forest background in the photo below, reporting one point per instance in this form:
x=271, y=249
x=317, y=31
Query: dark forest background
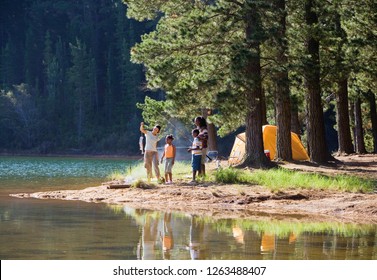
x=67, y=83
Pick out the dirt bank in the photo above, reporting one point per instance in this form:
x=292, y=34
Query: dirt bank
x=230, y=201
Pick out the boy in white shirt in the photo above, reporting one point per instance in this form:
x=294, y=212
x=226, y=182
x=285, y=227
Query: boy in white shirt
x=196, y=152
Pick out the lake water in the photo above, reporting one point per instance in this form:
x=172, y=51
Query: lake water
x=53, y=229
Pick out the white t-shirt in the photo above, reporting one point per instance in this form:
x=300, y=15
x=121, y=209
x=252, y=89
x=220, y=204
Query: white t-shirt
x=151, y=141
x=195, y=144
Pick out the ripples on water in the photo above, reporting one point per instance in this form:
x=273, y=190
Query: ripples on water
x=24, y=167
x=41, y=173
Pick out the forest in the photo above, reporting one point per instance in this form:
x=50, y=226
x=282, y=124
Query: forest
x=79, y=76
x=67, y=82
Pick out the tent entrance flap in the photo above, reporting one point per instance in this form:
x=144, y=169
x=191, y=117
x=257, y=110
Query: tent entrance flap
x=269, y=142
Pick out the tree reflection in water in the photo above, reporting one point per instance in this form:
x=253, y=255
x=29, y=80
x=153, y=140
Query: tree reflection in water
x=183, y=236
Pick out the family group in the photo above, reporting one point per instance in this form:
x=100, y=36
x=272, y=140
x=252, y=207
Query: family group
x=198, y=151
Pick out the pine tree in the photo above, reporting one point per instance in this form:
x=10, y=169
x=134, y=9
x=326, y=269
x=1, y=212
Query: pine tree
x=370, y=96
x=196, y=50
x=82, y=83
x=336, y=70
x=8, y=65
x=359, y=133
x=316, y=130
x=359, y=24
x=283, y=104
x=252, y=72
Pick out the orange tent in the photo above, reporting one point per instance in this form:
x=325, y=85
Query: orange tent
x=269, y=142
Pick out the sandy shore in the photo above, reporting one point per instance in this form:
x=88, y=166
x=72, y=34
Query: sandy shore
x=247, y=201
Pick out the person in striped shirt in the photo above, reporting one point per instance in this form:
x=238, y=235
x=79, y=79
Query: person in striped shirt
x=196, y=152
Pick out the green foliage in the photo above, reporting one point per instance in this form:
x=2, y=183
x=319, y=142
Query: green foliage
x=20, y=118
x=190, y=57
x=153, y=112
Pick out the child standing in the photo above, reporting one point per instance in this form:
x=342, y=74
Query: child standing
x=169, y=154
x=196, y=152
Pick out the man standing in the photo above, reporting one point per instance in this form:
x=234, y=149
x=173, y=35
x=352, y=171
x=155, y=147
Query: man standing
x=151, y=154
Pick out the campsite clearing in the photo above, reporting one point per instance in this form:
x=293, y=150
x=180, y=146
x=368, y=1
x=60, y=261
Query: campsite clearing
x=247, y=201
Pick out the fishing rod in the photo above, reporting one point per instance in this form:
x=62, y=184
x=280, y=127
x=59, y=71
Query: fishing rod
x=180, y=131
x=141, y=143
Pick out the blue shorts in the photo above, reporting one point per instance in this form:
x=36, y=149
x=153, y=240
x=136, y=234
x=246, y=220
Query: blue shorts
x=196, y=162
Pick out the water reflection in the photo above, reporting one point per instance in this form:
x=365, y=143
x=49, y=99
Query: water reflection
x=181, y=236
x=51, y=229
x=167, y=237
x=197, y=245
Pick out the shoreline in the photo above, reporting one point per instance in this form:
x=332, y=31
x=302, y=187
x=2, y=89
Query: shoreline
x=245, y=201
x=231, y=201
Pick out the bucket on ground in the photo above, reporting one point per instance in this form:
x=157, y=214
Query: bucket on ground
x=267, y=153
x=211, y=155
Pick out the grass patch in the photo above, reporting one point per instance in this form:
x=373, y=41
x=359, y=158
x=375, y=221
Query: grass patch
x=140, y=184
x=231, y=176
x=280, y=179
x=137, y=171
x=274, y=179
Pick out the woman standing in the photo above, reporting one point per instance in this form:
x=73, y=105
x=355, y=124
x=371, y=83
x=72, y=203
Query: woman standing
x=201, y=124
x=151, y=154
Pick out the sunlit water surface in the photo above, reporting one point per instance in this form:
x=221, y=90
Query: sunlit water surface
x=53, y=229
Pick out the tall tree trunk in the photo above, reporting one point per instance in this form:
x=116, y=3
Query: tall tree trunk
x=283, y=102
x=254, y=140
x=343, y=120
x=264, y=108
x=342, y=116
x=212, y=142
x=373, y=117
x=212, y=135
x=359, y=135
x=316, y=128
x=295, y=121
x=351, y=114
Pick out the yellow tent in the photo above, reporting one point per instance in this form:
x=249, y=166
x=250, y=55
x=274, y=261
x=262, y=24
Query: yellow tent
x=269, y=142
